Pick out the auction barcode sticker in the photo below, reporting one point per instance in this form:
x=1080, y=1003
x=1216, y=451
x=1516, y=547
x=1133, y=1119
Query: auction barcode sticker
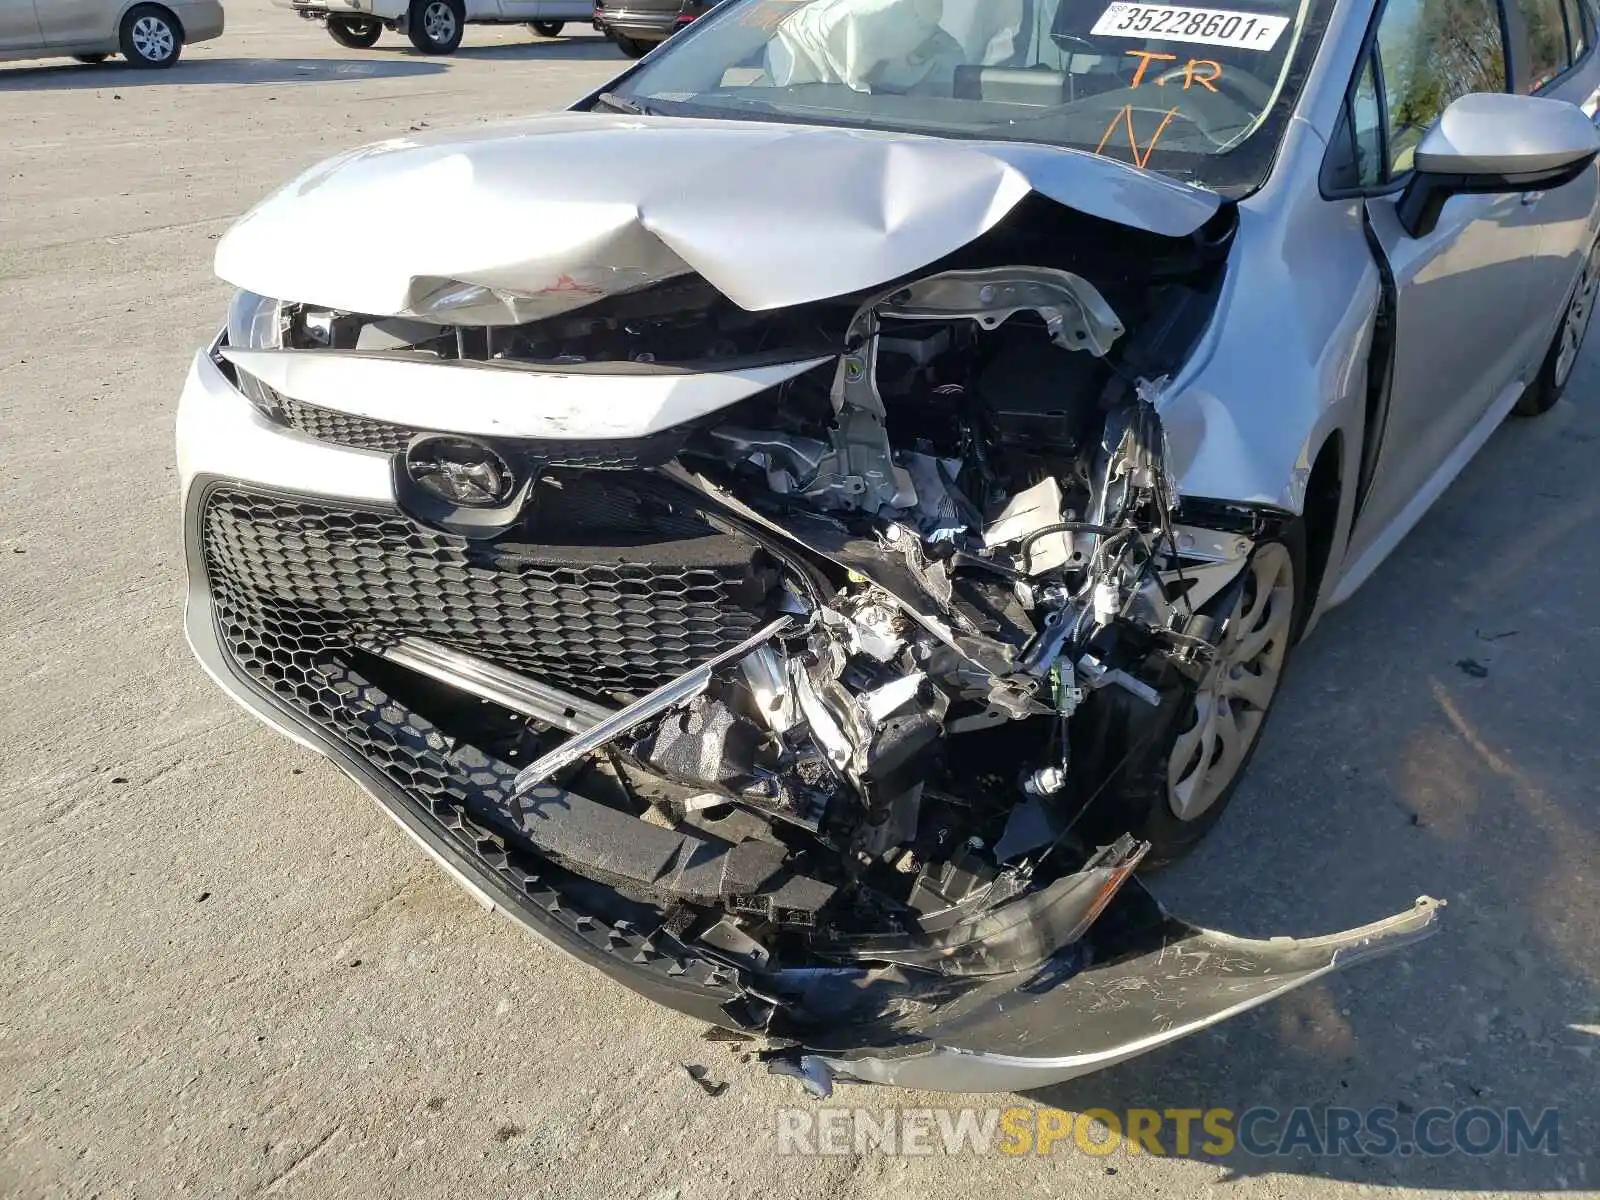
x=1207, y=26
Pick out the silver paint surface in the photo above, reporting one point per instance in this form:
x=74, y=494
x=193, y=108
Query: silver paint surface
x=556, y=211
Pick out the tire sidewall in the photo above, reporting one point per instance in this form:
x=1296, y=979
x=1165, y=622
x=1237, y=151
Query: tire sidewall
x=1544, y=392
x=343, y=31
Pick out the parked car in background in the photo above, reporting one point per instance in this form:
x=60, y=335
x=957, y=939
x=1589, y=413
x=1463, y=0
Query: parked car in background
x=434, y=26
x=637, y=26
x=91, y=31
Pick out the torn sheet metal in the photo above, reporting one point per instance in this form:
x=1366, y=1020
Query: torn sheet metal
x=1076, y=315
x=541, y=220
x=1152, y=979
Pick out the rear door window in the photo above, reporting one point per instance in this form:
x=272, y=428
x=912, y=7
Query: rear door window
x=1577, y=35
x=1546, y=40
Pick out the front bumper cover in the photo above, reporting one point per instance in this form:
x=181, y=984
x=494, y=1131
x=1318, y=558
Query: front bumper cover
x=1140, y=979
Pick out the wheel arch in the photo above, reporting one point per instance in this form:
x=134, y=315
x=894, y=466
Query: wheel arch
x=1323, y=516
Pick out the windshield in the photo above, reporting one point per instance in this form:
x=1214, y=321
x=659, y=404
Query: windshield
x=1201, y=94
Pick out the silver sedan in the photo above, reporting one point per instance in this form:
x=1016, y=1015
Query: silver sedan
x=150, y=35
x=801, y=529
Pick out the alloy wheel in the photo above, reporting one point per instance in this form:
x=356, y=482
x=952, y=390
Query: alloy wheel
x=153, y=39
x=1232, y=700
x=439, y=22
x=1576, y=323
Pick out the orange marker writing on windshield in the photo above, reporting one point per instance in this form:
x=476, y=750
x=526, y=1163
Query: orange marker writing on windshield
x=1146, y=57
x=1204, y=71
x=1124, y=119
x=1192, y=73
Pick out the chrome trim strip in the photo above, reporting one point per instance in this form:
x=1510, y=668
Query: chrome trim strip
x=690, y=683
x=497, y=400
x=509, y=689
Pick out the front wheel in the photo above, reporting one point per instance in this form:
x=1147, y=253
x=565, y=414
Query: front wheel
x=150, y=37
x=436, y=26
x=1562, y=356
x=1189, y=775
x=354, y=33
x=547, y=28
x=632, y=47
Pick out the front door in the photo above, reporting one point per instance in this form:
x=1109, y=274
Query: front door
x=76, y=22
x=1463, y=329
x=19, y=26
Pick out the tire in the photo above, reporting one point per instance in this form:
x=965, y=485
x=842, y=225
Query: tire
x=547, y=29
x=151, y=38
x=436, y=26
x=632, y=47
x=353, y=33
x=91, y=60
x=1562, y=356
x=1176, y=800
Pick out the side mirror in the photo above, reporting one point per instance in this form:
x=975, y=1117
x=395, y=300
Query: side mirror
x=1490, y=142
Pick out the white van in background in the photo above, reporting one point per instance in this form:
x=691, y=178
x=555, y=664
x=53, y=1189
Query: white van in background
x=435, y=26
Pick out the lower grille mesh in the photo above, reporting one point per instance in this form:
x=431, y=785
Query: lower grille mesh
x=293, y=578
x=295, y=583
x=367, y=433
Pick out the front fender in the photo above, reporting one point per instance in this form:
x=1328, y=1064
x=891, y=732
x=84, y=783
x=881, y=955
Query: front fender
x=1284, y=363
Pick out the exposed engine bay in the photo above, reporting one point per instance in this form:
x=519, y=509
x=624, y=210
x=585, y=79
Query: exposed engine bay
x=833, y=660
x=968, y=546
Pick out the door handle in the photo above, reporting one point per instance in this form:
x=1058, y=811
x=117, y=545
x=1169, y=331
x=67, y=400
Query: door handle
x=1529, y=199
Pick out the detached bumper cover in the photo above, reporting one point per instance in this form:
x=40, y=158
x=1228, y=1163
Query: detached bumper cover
x=1171, y=979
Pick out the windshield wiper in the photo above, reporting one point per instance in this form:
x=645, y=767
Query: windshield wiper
x=623, y=104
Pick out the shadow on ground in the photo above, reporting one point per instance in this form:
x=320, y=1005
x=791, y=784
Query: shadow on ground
x=228, y=72
x=1455, y=755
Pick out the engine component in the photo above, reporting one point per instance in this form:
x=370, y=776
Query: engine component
x=665, y=697
x=1039, y=397
x=703, y=745
x=1033, y=518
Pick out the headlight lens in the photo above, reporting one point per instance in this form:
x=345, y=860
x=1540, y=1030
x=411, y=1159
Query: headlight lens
x=255, y=323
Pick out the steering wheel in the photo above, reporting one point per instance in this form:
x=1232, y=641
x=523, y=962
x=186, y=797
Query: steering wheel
x=1252, y=91
x=1075, y=44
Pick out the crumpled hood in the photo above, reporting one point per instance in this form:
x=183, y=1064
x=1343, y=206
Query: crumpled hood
x=552, y=212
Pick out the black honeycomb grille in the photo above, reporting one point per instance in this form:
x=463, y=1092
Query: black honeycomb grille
x=460, y=788
x=344, y=429
x=366, y=433
x=295, y=580
x=282, y=576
